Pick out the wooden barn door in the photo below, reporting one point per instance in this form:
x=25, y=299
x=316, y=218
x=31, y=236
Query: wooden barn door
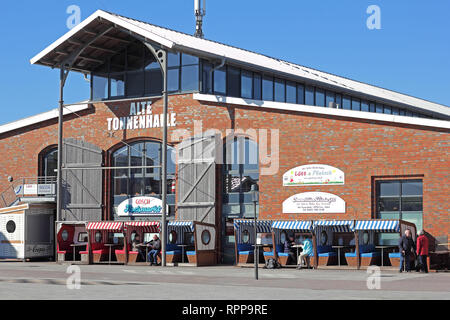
x=82, y=188
x=197, y=179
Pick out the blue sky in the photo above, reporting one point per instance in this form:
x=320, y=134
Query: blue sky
x=410, y=54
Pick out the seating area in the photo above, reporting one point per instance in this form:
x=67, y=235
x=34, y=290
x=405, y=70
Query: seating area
x=326, y=256
x=245, y=253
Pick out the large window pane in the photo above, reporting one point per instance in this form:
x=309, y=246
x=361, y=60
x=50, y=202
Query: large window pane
x=300, y=94
x=189, y=78
x=372, y=107
x=389, y=188
x=379, y=108
x=416, y=218
x=339, y=100
x=153, y=82
x=346, y=103
x=257, y=86
x=246, y=84
x=280, y=90
x=395, y=111
x=99, y=87
x=329, y=100
x=309, y=95
x=387, y=110
x=364, y=106
x=207, y=77
x=267, y=88
x=320, y=98
x=135, y=84
x=389, y=204
x=291, y=92
x=220, y=77
x=117, y=85
x=233, y=82
x=356, y=104
x=173, y=79
x=412, y=188
x=173, y=60
x=187, y=60
x=411, y=204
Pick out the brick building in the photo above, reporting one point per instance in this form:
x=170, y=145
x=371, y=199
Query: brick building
x=292, y=130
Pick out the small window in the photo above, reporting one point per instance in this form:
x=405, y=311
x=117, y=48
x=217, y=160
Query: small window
x=379, y=108
x=364, y=106
x=387, y=110
x=206, y=237
x=189, y=72
x=206, y=77
x=189, y=238
x=173, y=237
x=10, y=226
x=338, y=98
x=323, y=238
x=245, y=236
x=98, y=237
x=65, y=235
x=372, y=107
x=83, y=237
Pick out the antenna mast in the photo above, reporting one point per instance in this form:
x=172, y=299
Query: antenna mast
x=200, y=12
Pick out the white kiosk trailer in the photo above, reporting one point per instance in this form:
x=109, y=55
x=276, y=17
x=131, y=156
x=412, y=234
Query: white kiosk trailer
x=27, y=232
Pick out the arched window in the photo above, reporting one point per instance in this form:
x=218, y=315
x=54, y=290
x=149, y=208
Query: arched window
x=241, y=171
x=128, y=183
x=49, y=162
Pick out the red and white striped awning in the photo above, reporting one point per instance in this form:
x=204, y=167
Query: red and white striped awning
x=105, y=225
x=147, y=226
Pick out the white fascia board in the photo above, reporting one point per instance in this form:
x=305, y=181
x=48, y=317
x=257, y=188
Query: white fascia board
x=113, y=19
x=324, y=111
x=69, y=109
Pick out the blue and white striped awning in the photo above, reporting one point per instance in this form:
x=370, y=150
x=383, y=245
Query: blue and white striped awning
x=186, y=225
x=262, y=226
x=292, y=225
x=337, y=225
x=378, y=225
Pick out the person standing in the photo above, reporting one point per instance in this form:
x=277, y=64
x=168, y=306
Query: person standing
x=156, y=248
x=406, y=247
x=288, y=248
x=422, y=251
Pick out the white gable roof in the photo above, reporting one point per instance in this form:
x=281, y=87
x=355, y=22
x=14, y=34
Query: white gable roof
x=174, y=40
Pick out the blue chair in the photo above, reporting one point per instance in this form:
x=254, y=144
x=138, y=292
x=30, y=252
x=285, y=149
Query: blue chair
x=326, y=256
x=245, y=253
x=173, y=253
x=369, y=256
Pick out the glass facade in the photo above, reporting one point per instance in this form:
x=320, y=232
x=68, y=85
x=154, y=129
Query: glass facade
x=128, y=183
x=135, y=73
x=399, y=199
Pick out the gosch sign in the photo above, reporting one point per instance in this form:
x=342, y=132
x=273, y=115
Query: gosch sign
x=140, y=206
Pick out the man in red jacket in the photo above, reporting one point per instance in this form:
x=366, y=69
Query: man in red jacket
x=422, y=251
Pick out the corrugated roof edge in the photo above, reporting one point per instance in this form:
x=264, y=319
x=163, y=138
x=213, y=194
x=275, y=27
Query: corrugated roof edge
x=280, y=60
x=41, y=117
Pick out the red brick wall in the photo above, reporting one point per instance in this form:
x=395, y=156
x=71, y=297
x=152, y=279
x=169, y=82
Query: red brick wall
x=364, y=150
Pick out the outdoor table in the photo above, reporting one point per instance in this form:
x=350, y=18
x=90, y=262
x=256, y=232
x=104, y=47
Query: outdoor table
x=110, y=245
x=74, y=246
x=382, y=252
x=339, y=252
x=182, y=251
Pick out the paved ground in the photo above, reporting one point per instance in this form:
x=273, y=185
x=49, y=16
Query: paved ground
x=48, y=281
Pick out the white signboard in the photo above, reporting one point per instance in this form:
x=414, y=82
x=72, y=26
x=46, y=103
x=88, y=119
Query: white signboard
x=314, y=202
x=46, y=189
x=313, y=175
x=140, y=206
x=30, y=189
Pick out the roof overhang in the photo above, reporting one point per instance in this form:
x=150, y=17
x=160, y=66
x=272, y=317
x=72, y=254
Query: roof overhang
x=93, y=41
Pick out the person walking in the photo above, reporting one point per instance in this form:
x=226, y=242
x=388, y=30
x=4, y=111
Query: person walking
x=422, y=251
x=406, y=247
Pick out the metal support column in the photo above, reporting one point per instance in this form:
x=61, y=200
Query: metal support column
x=60, y=142
x=160, y=55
